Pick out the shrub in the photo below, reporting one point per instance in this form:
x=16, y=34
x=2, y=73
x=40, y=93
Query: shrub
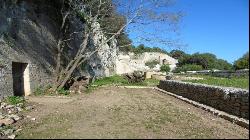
x=151, y=64
x=14, y=100
x=62, y=91
x=188, y=67
x=165, y=68
x=243, y=62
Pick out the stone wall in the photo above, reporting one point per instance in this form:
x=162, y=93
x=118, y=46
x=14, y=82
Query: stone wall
x=231, y=100
x=38, y=76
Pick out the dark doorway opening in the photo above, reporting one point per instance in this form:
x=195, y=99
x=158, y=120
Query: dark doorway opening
x=18, y=78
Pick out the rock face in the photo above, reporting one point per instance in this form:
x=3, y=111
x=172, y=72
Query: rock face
x=103, y=62
x=29, y=32
x=27, y=37
x=128, y=63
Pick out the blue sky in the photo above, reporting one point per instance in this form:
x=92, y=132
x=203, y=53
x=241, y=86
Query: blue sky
x=220, y=27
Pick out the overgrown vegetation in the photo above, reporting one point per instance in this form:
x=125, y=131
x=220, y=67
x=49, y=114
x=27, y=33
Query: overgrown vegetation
x=243, y=62
x=13, y=100
x=47, y=91
x=226, y=82
x=62, y=91
x=165, y=68
x=142, y=48
x=206, y=61
x=117, y=80
x=151, y=64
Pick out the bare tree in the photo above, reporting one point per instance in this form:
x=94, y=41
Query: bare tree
x=93, y=12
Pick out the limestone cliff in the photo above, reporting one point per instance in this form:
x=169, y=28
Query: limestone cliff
x=29, y=31
x=127, y=63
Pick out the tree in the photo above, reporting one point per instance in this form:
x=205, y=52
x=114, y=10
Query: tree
x=206, y=60
x=243, y=62
x=165, y=68
x=151, y=64
x=177, y=54
x=92, y=13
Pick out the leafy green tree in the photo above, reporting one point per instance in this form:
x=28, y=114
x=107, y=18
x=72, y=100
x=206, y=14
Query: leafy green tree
x=243, y=62
x=151, y=64
x=206, y=60
x=165, y=68
x=177, y=54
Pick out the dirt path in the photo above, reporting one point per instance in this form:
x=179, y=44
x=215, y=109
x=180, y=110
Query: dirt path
x=113, y=112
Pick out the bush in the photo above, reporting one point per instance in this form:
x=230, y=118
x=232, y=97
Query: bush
x=243, y=62
x=14, y=100
x=62, y=91
x=151, y=64
x=188, y=67
x=165, y=68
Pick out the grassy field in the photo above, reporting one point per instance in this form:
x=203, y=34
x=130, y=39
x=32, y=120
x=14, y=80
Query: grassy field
x=225, y=82
x=117, y=80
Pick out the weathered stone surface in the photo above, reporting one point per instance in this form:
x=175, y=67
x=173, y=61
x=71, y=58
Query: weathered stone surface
x=12, y=136
x=231, y=100
x=137, y=76
x=7, y=121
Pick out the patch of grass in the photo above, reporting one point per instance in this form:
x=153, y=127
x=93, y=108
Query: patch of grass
x=117, y=80
x=13, y=100
x=225, y=82
x=62, y=91
x=42, y=90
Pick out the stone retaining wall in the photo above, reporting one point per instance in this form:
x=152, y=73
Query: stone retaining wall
x=231, y=100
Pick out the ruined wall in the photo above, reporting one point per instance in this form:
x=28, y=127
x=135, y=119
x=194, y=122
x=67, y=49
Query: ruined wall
x=231, y=100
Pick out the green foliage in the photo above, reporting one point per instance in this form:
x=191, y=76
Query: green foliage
x=206, y=60
x=141, y=49
x=243, y=62
x=165, y=68
x=118, y=80
x=226, y=82
x=14, y=100
x=151, y=64
x=62, y=91
x=188, y=67
x=177, y=54
x=39, y=91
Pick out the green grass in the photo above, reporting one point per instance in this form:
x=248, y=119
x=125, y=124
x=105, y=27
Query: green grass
x=117, y=80
x=225, y=82
x=13, y=100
